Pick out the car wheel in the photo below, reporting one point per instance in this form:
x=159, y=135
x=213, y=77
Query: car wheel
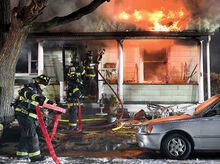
x=176, y=146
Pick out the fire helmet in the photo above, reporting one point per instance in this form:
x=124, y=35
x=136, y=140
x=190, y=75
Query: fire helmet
x=42, y=79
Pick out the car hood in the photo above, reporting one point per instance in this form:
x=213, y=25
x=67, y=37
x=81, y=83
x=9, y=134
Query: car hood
x=202, y=108
x=170, y=118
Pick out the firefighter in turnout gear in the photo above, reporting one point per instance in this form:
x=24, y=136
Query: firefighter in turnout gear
x=91, y=81
x=73, y=93
x=81, y=76
x=25, y=112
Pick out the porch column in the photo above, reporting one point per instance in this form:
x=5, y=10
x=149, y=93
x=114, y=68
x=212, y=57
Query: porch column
x=29, y=62
x=40, y=58
x=62, y=80
x=201, y=74
x=61, y=92
x=100, y=83
x=120, y=69
x=208, y=66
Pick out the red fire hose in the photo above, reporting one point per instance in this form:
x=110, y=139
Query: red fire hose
x=44, y=129
x=122, y=107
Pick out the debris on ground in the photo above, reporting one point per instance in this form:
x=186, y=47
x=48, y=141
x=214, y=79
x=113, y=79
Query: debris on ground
x=141, y=115
x=100, y=143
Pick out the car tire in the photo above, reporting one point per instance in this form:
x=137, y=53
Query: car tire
x=176, y=146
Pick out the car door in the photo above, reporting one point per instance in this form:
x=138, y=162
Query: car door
x=210, y=130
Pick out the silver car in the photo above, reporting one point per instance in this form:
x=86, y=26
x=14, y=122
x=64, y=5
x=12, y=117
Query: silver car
x=177, y=136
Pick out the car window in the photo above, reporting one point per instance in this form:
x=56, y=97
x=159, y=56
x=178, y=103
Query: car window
x=217, y=108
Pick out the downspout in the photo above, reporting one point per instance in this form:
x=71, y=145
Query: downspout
x=120, y=70
x=208, y=66
x=201, y=74
x=40, y=58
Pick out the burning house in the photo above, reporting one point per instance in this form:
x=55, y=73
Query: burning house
x=154, y=56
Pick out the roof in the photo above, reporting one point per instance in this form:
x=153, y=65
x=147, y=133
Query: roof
x=118, y=35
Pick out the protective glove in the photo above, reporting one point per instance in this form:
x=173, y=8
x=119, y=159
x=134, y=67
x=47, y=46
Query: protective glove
x=51, y=103
x=40, y=100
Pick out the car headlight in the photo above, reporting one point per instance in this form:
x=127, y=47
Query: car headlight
x=145, y=129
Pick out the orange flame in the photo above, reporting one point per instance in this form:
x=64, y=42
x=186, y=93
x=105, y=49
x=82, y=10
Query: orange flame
x=159, y=20
x=153, y=15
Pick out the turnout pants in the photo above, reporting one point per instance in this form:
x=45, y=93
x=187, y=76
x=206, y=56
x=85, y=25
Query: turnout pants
x=28, y=143
x=73, y=115
x=91, y=87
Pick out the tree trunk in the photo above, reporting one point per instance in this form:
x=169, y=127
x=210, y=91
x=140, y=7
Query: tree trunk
x=8, y=59
x=5, y=16
x=12, y=41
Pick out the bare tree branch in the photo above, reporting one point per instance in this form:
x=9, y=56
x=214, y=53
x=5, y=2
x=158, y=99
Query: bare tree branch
x=40, y=26
x=32, y=11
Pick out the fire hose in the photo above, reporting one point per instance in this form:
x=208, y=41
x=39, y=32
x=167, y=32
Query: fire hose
x=103, y=126
x=48, y=140
x=45, y=132
x=44, y=129
x=122, y=107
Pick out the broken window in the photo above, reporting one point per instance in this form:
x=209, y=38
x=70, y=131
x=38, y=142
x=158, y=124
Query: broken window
x=160, y=61
x=155, y=66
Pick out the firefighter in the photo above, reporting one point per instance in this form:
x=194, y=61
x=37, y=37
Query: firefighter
x=25, y=112
x=81, y=75
x=73, y=93
x=90, y=82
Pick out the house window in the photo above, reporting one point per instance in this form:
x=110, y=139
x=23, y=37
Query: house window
x=155, y=66
x=158, y=61
x=28, y=61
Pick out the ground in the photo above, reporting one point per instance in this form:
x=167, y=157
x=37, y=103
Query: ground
x=106, y=146
x=99, y=143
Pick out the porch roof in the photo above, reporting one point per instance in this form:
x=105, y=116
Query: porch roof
x=118, y=35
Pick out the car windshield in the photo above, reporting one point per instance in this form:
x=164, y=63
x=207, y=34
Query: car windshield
x=190, y=110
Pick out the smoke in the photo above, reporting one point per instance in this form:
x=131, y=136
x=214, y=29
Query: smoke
x=98, y=21
x=205, y=15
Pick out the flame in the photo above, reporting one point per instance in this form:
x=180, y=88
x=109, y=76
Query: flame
x=158, y=20
x=124, y=16
x=151, y=15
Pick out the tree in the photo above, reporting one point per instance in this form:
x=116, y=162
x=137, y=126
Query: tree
x=15, y=25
